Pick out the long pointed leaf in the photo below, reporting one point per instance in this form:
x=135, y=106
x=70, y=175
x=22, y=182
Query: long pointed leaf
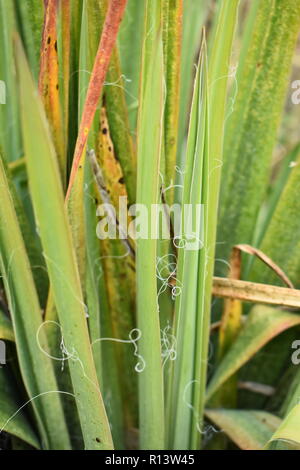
x=60, y=258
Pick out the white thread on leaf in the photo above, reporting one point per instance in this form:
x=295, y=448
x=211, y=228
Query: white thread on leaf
x=65, y=354
x=204, y=430
x=168, y=346
x=29, y=401
x=166, y=273
x=141, y=364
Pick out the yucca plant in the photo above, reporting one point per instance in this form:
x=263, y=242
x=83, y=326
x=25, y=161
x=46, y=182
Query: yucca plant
x=148, y=224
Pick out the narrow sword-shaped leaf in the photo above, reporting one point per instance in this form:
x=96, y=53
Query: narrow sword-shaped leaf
x=107, y=42
x=275, y=193
x=118, y=271
x=250, y=430
x=30, y=15
x=279, y=243
x=289, y=431
x=27, y=319
x=217, y=93
x=293, y=394
x=130, y=49
x=194, y=15
x=189, y=269
x=65, y=6
x=172, y=47
x=10, y=137
x=29, y=234
x=49, y=81
x=263, y=324
x=9, y=405
x=114, y=92
x=253, y=124
x=150, y=118
x=6, y=328
x=48, y=202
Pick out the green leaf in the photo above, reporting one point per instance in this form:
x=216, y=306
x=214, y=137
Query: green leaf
x=31, y=239
x=195, y=267
x=280, y=244
x=217, y=86
x=274, y=196
x=48, y=203
x=114, y=91
x=74, y=98
x=26, y=317
x=253, y=125
x=263, y=324
x=173, y=19
x=289, y=430
x=191, y=267
x=6, y=328
x=12, y=418
x=194, y=14
x=31, y=15
x=250, y=430
x=130, y=48
x=100, y=311
x=151, y=402
x=10, y=138
x=292, y=396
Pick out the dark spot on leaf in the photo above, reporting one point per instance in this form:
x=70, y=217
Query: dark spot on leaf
x=104, y=131
x=55, y=45
x=49, y=40
x=98, y=440
x=121, y=180
x=57, y=86
x=109, y=149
